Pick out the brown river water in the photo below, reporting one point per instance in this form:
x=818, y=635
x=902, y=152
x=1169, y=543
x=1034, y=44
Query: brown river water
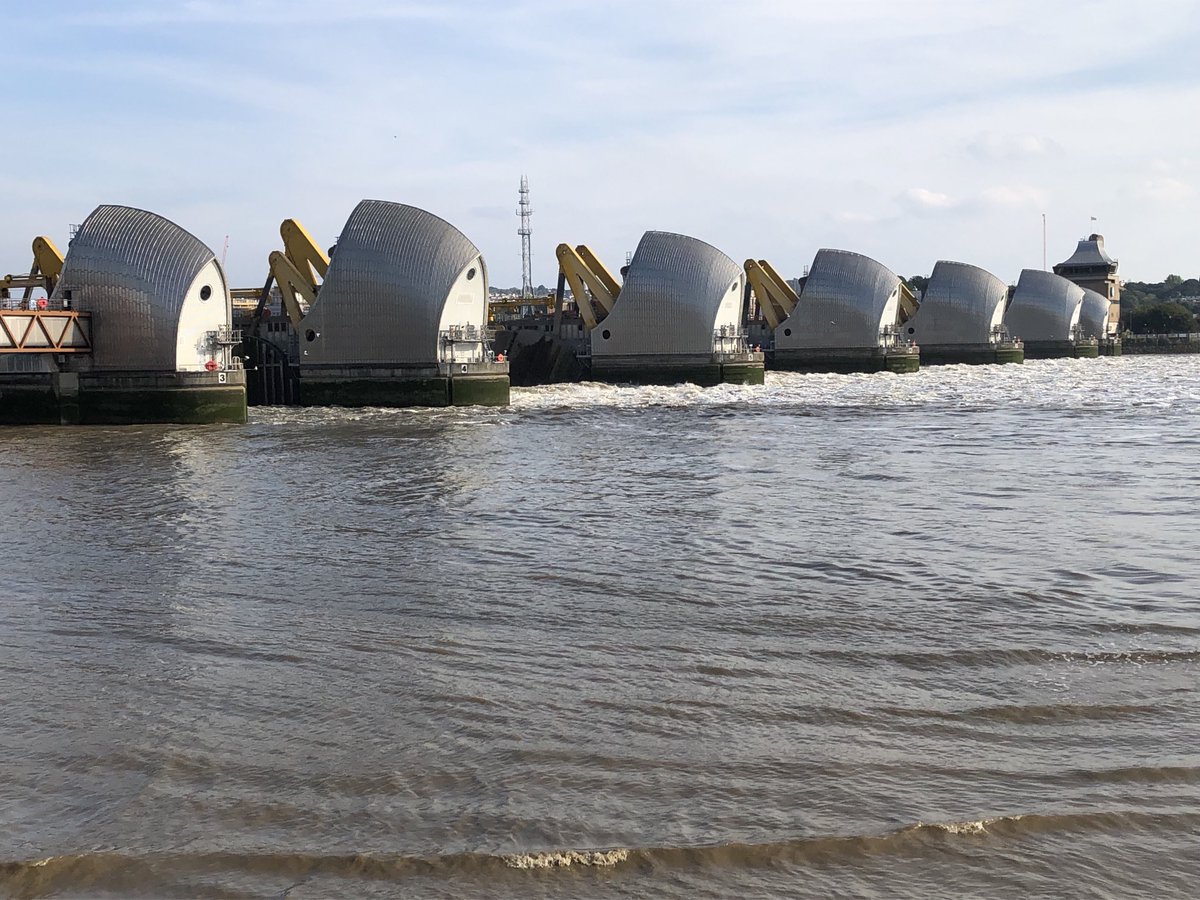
x=932, y=635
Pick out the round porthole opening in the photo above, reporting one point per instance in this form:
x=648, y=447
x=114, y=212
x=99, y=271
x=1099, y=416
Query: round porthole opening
x=205, y=292
x=912, y=331
x=606, y=334
x=787, y=332
x=310, y=335
x=470, y=273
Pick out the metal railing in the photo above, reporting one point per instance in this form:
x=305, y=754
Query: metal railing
x=477, y=339
x=730, y=339
x=892, y=337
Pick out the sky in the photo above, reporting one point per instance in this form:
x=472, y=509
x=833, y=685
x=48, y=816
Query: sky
x=909, y=130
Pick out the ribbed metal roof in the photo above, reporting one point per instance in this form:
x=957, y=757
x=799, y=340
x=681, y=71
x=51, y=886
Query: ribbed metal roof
x=847, y=300
x=676, y=293
x=1093, y=315
x=1090, y=252
x=133, y=269
x=1044, y=307
x=960, y=305
x=388, y=282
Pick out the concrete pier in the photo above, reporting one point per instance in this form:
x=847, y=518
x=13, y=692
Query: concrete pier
x=847, y=360
x=471, y=384
x=122, y=398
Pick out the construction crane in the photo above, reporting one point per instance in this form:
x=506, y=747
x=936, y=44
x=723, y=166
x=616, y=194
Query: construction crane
x=44, y=272
x=592, y=284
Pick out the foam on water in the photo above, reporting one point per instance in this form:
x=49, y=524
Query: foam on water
x=564, y=858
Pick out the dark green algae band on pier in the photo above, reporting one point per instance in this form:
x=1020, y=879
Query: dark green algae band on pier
x=44, y=400
x=397, y=392
x=1061, y=350
x=849, y=360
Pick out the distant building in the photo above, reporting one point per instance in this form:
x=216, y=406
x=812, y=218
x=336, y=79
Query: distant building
x=1093, y=269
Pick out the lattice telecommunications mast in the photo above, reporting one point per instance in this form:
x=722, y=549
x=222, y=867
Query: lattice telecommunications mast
x=525, y=211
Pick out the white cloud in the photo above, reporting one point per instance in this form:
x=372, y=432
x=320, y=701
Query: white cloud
x=993, y=147
x=922, y=200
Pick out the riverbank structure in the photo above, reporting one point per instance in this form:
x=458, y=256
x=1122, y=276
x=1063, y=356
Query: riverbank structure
x=1045, y=311
x=846, y=316
x=678, y=316
x=1096, y=321
x=395, y=315
x=136, y=329
x=1093, y=269
x=961, y=318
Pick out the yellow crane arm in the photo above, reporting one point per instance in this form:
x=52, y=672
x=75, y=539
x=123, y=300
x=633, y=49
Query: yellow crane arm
x=43, y=273
x=592, y=261
x=592, y=291
x=295, y=290
x=48, y=260
x=775, y=296
x=302, y=251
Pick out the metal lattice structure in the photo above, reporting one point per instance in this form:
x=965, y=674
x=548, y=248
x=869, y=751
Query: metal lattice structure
x=525, y=211
x=45, y=331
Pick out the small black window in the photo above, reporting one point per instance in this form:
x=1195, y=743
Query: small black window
x=912, y=331
x=606, y=334
x=205, y=292
x=787, y=332
x=310, y=335
x=470, y=273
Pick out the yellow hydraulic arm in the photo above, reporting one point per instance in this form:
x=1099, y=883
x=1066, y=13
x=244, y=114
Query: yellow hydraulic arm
x=298, y=269
x=47, y=260
x=592, y=284
x=44, y=272
x=775, y=296
x=909, y=304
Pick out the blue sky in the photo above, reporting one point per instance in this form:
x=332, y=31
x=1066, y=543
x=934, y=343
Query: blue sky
x=911, y=131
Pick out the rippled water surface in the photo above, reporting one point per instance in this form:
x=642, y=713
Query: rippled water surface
x=932, y=635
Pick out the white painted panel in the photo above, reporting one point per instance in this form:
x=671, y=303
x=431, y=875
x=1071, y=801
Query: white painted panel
x=199, y=317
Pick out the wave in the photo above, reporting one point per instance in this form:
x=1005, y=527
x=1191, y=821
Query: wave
x=1046, y=714
x=1015, y=656
x=138, y=873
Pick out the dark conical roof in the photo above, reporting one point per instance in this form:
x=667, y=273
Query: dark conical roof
x=1090, y=252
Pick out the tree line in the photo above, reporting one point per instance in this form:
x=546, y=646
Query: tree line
x=1164, y=307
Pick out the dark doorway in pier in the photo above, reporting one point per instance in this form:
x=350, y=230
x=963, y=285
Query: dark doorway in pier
x=271, y=377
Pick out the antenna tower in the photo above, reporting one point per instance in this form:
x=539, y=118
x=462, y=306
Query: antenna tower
x=525, y=211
